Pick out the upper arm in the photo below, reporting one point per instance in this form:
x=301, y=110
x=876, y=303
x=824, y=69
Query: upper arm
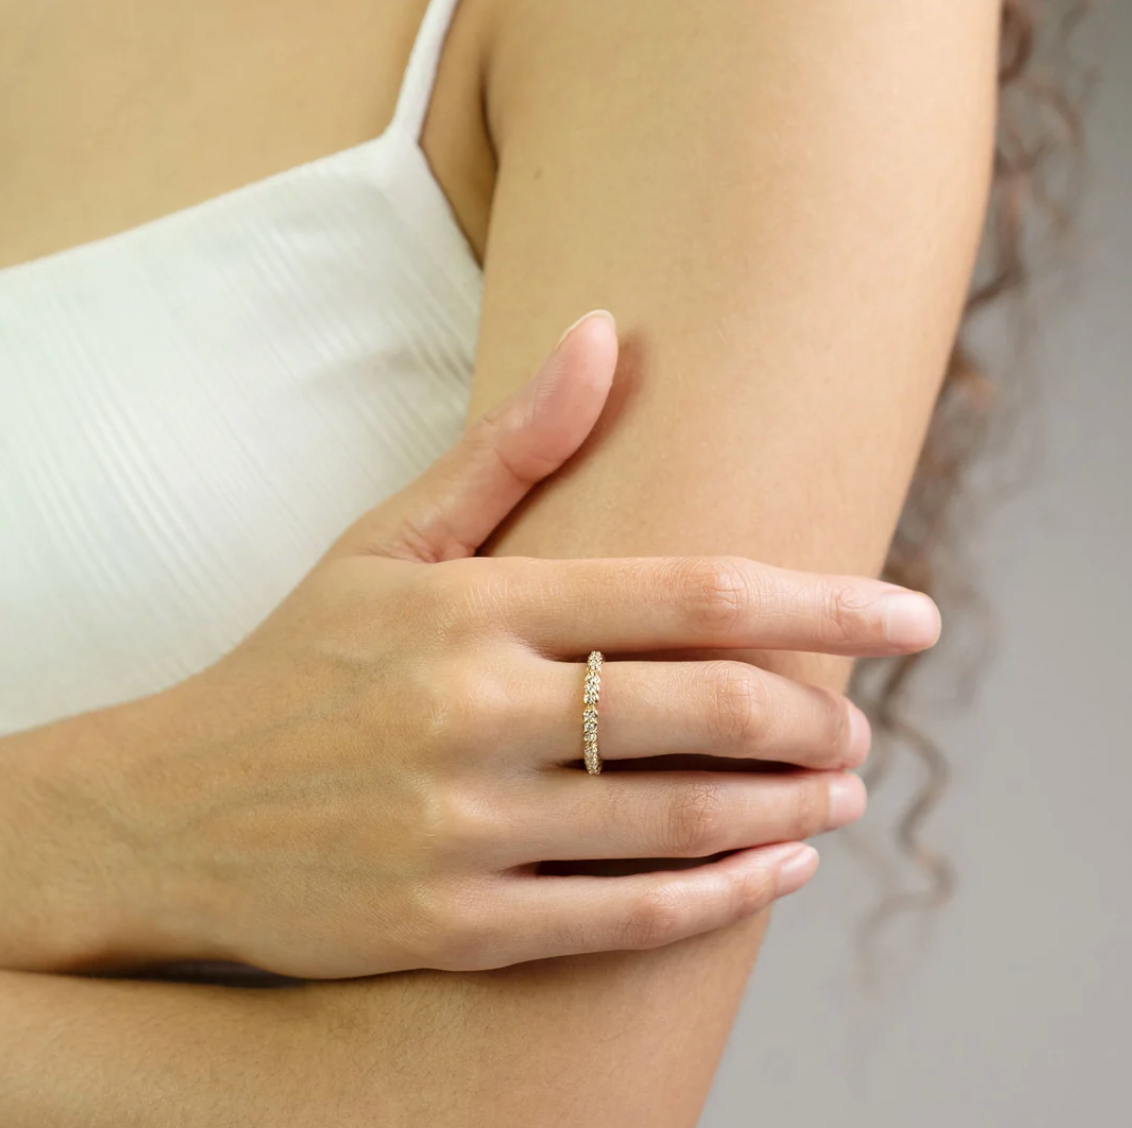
x=781, y=203
x=780, y=200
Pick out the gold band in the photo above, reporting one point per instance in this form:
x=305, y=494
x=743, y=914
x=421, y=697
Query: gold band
x=589, y=713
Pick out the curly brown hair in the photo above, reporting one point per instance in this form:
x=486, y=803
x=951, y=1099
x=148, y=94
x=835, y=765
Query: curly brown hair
x=1039, y=124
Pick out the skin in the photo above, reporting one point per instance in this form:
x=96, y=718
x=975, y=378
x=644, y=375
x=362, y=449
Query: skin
x=787, y=292
x=355, y=790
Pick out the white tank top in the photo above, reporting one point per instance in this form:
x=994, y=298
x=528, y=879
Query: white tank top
x=193, y=409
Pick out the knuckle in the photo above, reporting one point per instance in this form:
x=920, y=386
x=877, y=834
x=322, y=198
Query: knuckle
x=836, y=726
x=752, y=891
x=426, y=921
x=431, y=710
x=717, y=593
x=456, y=601
x=481, y=699
x=456, y=936
x=457, y=706
x=655, y=918
x=695, y=819
x=453, y=824
x=808, y=809
x=482, y=433
x=737, y=694
x=480, y=444
x=436, y=605
x=844, y=614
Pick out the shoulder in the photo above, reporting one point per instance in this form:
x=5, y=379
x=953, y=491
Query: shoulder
x=722, y=81
x=709, y=57
x=759, y=189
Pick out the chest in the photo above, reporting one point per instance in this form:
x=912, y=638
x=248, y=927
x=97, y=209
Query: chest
x=192, y=412
x=193, y=408
x=115, y=113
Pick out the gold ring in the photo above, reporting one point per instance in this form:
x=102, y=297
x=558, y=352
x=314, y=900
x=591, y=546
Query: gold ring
x=589, y=713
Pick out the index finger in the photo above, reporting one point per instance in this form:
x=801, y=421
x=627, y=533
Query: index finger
x=621, y=604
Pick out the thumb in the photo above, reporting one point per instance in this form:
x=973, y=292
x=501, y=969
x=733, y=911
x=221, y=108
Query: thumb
x=453, y=507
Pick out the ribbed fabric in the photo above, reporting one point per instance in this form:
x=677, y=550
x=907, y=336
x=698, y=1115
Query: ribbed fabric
x=192, y=410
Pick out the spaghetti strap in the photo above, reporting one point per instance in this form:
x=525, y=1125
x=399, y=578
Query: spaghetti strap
x=420, y=74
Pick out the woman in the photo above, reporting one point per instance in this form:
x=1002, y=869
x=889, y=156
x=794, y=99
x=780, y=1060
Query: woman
x=246, y=315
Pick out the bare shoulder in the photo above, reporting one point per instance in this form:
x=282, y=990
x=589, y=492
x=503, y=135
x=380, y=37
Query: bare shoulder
x=665, y=50
x=781, y=203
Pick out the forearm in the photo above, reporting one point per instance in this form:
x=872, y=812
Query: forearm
x=519, y=1046
x=87, y=1053
x=76, y=887
x=609, y=1040
x=788, y=274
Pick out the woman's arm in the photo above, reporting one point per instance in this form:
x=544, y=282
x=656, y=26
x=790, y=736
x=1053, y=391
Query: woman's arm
x=781, y=202
x=77, y=1053
x=185, y=825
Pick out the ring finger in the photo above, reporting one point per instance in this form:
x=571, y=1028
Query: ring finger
x=722, y=707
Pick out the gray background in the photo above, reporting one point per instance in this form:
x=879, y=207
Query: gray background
x=1013, y=1006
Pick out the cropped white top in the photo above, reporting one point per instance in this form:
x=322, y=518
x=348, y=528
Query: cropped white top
x=193, y=409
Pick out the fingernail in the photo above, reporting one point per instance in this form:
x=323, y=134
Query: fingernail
x=585, y=317
x=539, y=389
x=799, y=866
x=910, y=619
x=860, y=736
x=847, y=800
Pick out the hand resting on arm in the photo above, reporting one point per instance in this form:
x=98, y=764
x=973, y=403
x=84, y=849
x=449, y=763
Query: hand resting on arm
x=782, y=203
x=366, y=784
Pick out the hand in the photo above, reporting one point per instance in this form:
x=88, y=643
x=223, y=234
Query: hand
x=367, y=783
